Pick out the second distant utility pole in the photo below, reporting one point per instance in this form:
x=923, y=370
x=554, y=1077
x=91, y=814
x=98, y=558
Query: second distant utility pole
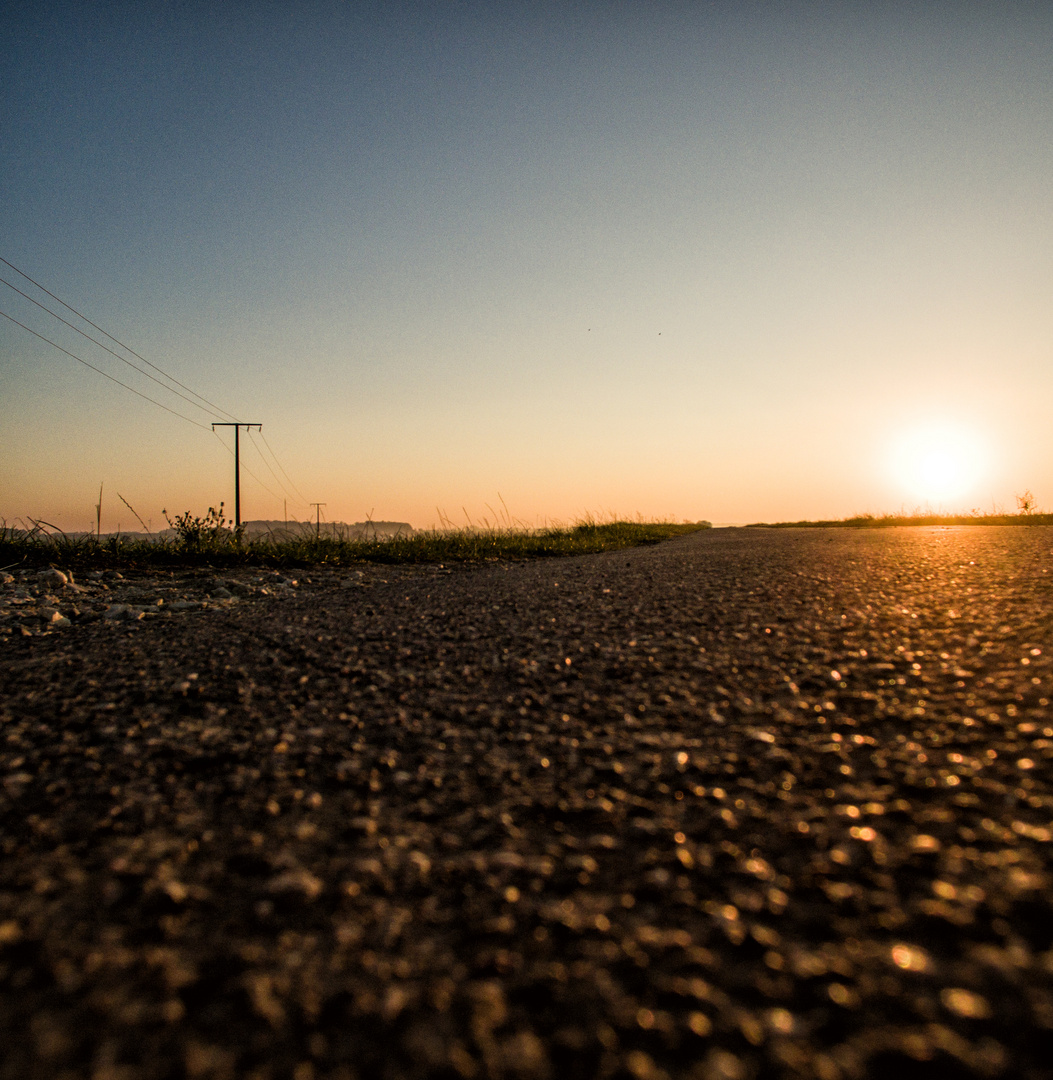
x=237, y=465
x=317, y=519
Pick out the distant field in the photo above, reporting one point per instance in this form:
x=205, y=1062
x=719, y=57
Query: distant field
x=871, y=521
x=221, y=546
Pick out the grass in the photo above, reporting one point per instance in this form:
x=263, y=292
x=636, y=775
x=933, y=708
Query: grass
x=219, y=547
x=884, y=521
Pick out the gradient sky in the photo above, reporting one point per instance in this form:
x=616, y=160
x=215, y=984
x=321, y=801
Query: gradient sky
x=734, y=261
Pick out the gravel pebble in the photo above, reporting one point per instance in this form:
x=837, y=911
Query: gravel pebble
x=29, y=599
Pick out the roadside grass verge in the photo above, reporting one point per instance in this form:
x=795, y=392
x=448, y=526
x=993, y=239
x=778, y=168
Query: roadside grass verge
x=220, y=547
x=884, y=521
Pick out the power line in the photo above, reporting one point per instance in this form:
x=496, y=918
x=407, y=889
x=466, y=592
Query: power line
x=65, y=322
x=273, y=494
x=99, y=371
x=200, y=397
x=282, y=467
x=212, y=408
x=252, y=439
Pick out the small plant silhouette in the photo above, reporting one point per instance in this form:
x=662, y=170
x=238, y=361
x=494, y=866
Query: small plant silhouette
x=1026, y=503
x=198, y=534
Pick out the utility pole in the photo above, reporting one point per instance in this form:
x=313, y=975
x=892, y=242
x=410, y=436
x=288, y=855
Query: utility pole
x=317, y=519
x=237, y=466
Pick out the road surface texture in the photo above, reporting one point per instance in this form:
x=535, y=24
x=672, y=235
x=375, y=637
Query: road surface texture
x=746, y=804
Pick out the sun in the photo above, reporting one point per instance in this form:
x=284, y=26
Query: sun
x=937, y=463
x=941, y=471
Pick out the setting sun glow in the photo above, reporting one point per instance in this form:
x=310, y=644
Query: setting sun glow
x=939, y=463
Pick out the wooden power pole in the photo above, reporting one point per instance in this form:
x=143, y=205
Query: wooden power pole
x=317, y=519
x=237, y=465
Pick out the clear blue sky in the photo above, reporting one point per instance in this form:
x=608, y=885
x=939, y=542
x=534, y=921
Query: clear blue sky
x=731, y=261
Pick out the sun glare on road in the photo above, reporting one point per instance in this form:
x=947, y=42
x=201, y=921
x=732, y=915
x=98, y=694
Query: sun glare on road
x=938, y=463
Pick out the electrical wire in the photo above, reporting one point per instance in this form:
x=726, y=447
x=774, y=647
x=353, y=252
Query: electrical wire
x=215, y=408
x=252, y=439
x=282, y=467
x=242, y=465
x=211, y=409
x=270, y=469
x=99, y=371
x=65, y=322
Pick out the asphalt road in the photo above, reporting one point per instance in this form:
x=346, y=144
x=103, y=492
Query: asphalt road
x=745, y=804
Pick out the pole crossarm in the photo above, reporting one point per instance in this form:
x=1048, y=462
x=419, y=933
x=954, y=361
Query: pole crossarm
x=237, y=426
